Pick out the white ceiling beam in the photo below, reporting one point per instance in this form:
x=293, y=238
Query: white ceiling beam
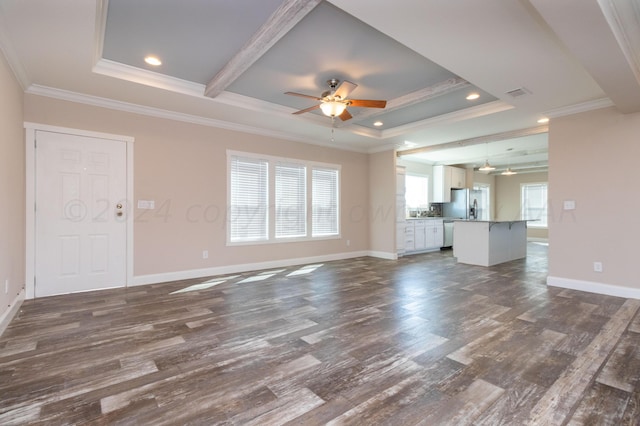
x=477, y=140
x=438, y=89
x=279, y=23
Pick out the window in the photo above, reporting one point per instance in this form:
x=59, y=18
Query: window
x=268, y=199
x=325, y=202
x=248, y=199
x=534, y=203
x=417, y=192
x=484, y=200
x=291, y=200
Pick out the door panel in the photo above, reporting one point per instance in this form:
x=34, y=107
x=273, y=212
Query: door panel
x=80, y=219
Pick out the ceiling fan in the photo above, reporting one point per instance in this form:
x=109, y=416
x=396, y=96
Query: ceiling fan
x=334, y=102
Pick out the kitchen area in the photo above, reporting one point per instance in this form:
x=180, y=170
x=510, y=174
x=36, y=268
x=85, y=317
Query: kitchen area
x=452, y=211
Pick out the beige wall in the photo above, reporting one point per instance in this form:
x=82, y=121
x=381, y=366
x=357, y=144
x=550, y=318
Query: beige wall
x=182, y=167
x=12, y=193
x=382, y=189
x=593, y=160
x=508, y=198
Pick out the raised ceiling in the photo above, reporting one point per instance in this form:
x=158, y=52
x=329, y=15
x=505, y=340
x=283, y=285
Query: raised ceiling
x=229, y=63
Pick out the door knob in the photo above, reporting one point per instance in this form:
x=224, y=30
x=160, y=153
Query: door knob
x=118, y=206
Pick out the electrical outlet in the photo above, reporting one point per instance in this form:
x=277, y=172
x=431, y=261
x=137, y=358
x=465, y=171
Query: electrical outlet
x=6, y=286
x=205, y=254
x=348, y=243
x=597, y=266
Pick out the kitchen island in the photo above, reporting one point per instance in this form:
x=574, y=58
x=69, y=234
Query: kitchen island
x=487, y=243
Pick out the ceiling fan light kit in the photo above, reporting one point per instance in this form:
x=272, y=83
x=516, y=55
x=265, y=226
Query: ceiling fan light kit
x=334, y=102
x=333, y=108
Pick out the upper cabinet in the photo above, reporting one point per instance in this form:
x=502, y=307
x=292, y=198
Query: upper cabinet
x=444, y=179
x=458, y=177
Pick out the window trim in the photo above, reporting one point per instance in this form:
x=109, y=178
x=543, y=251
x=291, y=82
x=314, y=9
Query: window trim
x=271, y=162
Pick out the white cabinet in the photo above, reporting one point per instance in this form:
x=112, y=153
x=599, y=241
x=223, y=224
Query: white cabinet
x=424, y=234
x=400, y=180
x=458, y=177
x=409, y=237
x=419, y=234
x=434, y=233
x=401, y=214
x=400, y=237
x=445, y=178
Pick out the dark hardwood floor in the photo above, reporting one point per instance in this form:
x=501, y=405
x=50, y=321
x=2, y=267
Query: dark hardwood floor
x=421, y=340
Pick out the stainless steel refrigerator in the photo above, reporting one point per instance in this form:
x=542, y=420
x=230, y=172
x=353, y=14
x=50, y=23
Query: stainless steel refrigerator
x=465, y=204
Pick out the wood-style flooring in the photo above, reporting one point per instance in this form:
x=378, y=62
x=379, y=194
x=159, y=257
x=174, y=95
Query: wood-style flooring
x=422, y=340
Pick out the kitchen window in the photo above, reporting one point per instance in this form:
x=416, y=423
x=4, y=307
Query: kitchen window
x=268, y=199
x=484, y=203
x=534, y=204
x=417, y=192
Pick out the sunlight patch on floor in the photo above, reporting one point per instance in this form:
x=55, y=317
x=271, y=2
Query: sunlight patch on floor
x=307, y=269
x=261, y=276
x=204, y=285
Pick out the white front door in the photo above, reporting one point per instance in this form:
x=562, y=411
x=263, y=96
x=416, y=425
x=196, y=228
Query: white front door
x=80, y=218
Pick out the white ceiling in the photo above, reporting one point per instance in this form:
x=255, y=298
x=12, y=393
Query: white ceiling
x=228, y=63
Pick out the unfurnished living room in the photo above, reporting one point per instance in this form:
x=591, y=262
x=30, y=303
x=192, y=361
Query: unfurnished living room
x=319, y=212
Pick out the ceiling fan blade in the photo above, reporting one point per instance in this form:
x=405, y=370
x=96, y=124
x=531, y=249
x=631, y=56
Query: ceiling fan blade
x=344, y=88
x=302, y=111
x=367, y=103
x=346, y=115
x=303, y=96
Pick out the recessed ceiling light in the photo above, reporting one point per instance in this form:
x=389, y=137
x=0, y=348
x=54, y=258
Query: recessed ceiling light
x=543, y=120
x=378, y=123
x=472, y=96
x=410, y=144
x=152, y=60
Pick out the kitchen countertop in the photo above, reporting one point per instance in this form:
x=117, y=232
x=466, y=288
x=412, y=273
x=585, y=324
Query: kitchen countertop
x=491, y=221
x=425, y=218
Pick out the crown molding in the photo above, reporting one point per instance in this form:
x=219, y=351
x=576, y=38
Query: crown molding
x=622, y=17
x=66, y=95
x=578, y=108
x=450, y=118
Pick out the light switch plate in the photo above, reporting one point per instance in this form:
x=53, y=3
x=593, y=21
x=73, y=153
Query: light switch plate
x=146, y=204
x=569, y=205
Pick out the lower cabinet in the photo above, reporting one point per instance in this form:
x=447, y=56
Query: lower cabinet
x=435, y=233
x=424, y=234
x=401, y=244
x=420, y=237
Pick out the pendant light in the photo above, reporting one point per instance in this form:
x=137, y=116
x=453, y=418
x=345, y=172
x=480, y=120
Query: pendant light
x=509, y=172
x=487, y=167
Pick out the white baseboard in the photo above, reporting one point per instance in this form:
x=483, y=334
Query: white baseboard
x=11, y=312
x=234, y=269
x=593, y=287
x=383, y=255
